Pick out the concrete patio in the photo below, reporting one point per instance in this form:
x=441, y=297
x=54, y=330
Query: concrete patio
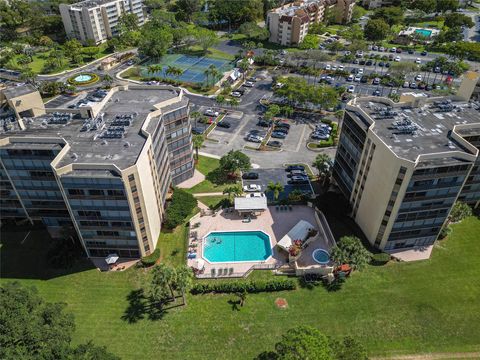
x=274, y=222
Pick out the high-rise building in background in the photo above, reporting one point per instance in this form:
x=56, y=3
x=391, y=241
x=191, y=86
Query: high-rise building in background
x=403, y=165
x=104, y=167
x=97, y=19
x=289, y=24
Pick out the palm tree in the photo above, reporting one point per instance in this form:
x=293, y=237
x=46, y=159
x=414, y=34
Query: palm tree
x=207, y=75
x=184, y=280
x=234, y=102
x=244, y=65
x=108, y=80
x=163, y=278
x=174, y=71
x=276, y=188
x=197, y=143
x=234, y=190
x=220, y=100
x=214, y=73
x=323, y=164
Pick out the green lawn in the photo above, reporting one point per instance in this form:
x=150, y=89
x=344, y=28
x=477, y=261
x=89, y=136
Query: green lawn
x=39, y=60
x=212, y=201
x=208, y=166
x=427, y=306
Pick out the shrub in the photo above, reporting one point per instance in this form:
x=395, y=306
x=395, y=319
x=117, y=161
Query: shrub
x=446, y=230
x=151, y=259
x=380, y=259
x=180, y=207
x=460, y=211
x=241, y=286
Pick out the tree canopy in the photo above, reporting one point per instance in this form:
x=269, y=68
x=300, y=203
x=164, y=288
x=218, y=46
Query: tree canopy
x=155, y=41
x=392, y=15
x=376, y=29
x=350, y=250
x=297, y=91
x=310, y=41
x=234, y=161
x=34, y=329
x=253, y=31
x=457, y=20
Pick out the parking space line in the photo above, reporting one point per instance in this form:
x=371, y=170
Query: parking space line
x=301, y=138
x=240, y=128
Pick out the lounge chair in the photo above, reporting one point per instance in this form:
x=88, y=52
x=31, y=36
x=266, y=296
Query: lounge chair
x=213, y=272
x=230, y=271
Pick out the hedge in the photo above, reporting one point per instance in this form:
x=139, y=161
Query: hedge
x=180, y=207
x=151, y=259
x=380, y=258
x=240, y=286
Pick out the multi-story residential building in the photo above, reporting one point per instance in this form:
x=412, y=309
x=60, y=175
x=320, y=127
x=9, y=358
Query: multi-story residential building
x=289, y=24
x=373, y=4
x=403, y=165
x=97, y=19
x=104, y=168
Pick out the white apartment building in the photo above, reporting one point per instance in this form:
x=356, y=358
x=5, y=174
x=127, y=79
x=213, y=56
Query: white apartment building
x=289, y=24
x=97, y=19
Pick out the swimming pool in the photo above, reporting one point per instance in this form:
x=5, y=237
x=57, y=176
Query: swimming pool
x=236, y=246
x=321, y=256
x=424, y=32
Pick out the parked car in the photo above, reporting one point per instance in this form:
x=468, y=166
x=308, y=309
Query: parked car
x=360, y=71
x=381, y=64
x=350, y=78
x=319, y=136
x=351, y=89
x=418, y=77
x=249, y=84
x=252, y=79
x=297, y=173
x=278, y=135
x=413, y=85
x=283, y=124
x=275, y=143
x=264, y=123
x=424, y=53
x=224, y=124
x=387, y=64
x=252, y=188
x=406, y=84
x=328, y=67
x=369, y=62
x=211, y=112
x=399, y=51
x=376, y=92
x=381, y=48
x=298, y=180
x=376, y=81
x=341, y=67
x=254, y=138
x=236, y=94
x=250, y=176
x=411, y=51
x=418, y=61
x=397, y=58
x=197, y=130
x=295, y=167
x=364, y=79
x=357, y=78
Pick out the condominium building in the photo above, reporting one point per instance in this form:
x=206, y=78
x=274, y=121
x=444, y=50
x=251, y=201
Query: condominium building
x=374, y=4
x=104, y=168
x=403, y=165
x=289, y=24
x=97, y=19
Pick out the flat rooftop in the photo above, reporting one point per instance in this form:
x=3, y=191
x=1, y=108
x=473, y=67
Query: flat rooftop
x=113, y=137
x=410, y=132
x=15, y=91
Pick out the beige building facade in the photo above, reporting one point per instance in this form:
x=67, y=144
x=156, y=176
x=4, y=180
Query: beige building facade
x=402, y=166
x=105, y=171
x=289, y=24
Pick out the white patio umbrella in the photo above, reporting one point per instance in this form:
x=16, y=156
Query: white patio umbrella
x=111, y=259
x=199, y=264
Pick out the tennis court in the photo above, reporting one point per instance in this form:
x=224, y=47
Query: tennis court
x=193, y=67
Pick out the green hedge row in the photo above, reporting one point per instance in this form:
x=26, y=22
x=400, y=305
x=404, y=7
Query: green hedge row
x=180, y=207
x=151, y=259
x=240, y=286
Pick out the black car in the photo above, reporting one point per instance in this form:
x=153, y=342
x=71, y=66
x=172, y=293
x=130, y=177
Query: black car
x=381, y=64
x=364, y=79
x=295, y=167
x=197, y=130
x=387, y=64
x=369, y=63
x=424, y=53
x=410, y=51
x=298, y=182
x=282, y=124
x=264, y=123
x=224, y=124
x=278, y=135
x=280, y=129
x=275, y=143
x=250, y=176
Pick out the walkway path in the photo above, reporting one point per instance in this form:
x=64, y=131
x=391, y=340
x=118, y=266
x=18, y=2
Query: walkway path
x=208, y=194
x=434, y=356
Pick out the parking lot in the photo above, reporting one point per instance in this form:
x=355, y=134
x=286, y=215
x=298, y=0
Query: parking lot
x=277, y=175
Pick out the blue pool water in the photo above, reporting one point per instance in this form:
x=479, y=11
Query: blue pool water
x=83, y=78
x=231, y=246
x=424, y=32
x=321, y=256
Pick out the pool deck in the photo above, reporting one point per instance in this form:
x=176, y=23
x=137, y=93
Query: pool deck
x=273, y=222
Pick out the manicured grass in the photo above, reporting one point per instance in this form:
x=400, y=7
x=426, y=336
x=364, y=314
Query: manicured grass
x=39, y=60
x=420, y=307
x=173, y=245
x=211, y=53
x=208, y=166
x=213, y=202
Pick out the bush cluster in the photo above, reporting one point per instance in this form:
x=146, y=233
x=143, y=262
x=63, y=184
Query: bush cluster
x=180, y=207
x=151, y=259
x=241, y=286
x=380, y=258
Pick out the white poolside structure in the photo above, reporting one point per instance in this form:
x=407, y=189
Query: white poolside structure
x=250, y=205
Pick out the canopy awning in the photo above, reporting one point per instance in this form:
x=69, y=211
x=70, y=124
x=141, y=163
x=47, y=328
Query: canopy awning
x=111, y=259
x=246, y=204
x=298, y=232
